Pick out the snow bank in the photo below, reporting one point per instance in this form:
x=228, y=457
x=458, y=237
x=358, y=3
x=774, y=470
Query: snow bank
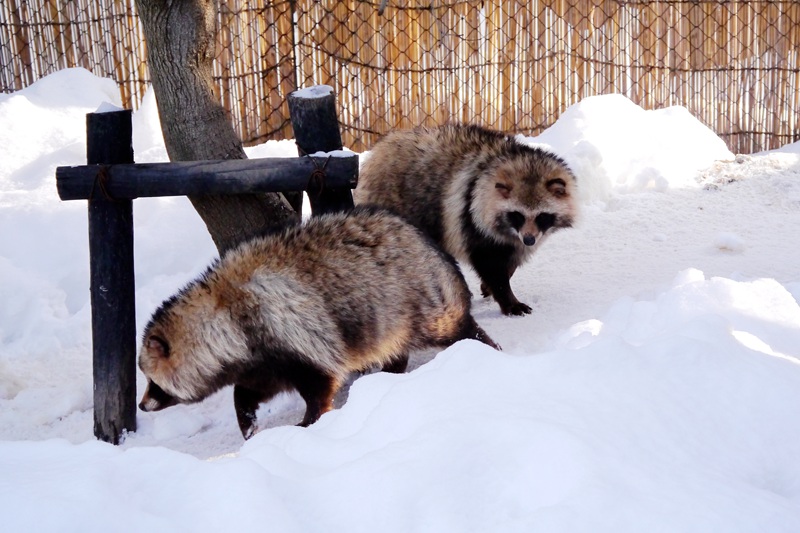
x=671, y=414
x=613, y=144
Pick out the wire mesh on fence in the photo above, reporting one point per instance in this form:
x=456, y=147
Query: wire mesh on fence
x=39, y=37
x=512, y=65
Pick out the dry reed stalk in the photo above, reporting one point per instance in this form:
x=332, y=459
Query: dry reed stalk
x=119, y=47
x=223, y=63
x=268, y=41
x=538, y=50
x=494, y=39
x=374, y=81
x=399, y=59
x=54, y=15
x=338, y=18
x=140, y=53
x=286, y=51
x=645, y=50
x=507, y=66
x=579, y=16
x=432, y=68
x=469, y=53
x=241, y=92
x=451, y=72
x=312, y=40
x=132, y=59
x=7, y=79
x=23, y=68
x=413, y=77
x=37, y=41
x=358, y=47
x=260, y=75
x=303, y=52
x=526, y=51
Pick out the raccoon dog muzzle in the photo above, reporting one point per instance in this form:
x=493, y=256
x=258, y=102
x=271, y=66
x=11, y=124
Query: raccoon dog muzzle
x=155, y=399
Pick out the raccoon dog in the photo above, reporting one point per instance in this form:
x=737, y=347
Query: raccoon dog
x=301, y=309
x=485, y=198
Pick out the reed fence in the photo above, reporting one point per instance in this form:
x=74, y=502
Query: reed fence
x=511, y=65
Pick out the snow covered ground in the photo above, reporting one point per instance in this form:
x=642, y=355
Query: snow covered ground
x=655, y=387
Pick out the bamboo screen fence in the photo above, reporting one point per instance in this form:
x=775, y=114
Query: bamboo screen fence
x=512, y=65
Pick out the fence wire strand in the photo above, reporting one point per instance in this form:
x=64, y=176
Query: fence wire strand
x=511, y=65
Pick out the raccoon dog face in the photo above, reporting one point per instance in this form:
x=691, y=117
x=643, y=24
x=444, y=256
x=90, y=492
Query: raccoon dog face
x=186, y=349
x=523, y=199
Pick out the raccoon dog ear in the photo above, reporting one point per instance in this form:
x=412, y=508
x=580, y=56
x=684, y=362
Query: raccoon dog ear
x=158, y=347
x=557, y=187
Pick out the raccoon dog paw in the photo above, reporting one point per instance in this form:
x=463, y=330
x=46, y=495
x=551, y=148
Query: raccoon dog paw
x=485, y=290
x=517, y=309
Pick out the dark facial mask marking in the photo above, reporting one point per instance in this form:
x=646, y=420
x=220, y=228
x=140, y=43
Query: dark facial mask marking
x=516, y=219
x=157, y=393
x=545, y=221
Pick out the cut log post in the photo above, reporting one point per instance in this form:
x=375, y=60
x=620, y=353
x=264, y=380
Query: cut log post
x=109, y=140
x=316, y=129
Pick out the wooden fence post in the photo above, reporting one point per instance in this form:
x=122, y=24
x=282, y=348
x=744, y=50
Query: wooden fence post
x=109, y=140
x=316, y=129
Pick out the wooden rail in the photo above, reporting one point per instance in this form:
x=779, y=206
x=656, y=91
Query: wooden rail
x=237, y=176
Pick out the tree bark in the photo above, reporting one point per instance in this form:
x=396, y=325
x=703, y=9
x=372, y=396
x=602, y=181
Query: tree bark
x=181, y=37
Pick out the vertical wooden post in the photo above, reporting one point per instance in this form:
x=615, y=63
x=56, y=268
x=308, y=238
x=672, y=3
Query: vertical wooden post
x=109, y=140
x=316, y=129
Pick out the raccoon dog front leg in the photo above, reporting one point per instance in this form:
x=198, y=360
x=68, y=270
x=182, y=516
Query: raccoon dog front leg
x=246, y=402
x=317, y=389
x=495, y=265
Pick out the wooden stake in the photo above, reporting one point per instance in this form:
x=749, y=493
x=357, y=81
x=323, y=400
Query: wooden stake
x=109, y=139
x=316, y=129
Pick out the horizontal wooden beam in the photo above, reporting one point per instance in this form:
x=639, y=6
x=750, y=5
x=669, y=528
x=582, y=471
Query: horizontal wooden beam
x=240, y=176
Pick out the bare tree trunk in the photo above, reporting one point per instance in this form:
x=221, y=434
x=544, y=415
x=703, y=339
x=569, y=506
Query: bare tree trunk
x=181, y=37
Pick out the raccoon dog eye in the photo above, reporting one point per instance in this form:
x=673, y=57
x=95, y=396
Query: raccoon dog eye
x=557, y=187
x=516, y=219
x=503, y=189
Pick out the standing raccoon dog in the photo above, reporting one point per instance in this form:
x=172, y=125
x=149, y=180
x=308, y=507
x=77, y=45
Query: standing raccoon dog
x=485, y=198
x=303, y=308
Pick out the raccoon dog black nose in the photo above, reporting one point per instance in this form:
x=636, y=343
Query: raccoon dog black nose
x=529, y=239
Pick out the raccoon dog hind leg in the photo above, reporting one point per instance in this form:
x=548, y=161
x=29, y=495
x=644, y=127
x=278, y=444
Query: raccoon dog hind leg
x=485, y=198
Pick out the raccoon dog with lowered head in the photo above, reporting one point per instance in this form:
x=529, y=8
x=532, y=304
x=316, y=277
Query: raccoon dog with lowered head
x=301, y=309
x=485, y=198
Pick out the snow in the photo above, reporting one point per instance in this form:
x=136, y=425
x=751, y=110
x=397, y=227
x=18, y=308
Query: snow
x=333, y=153
x=315, y=91
x=654, y=388
x=108, y=107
